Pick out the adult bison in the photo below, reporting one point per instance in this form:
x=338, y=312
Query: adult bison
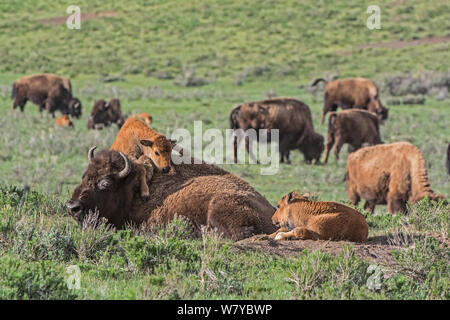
x=352, y=93
x=391, y=174
x=104, y=114
x=48, y=91
x=205, y=194
x=293, y=119
x=355, y=127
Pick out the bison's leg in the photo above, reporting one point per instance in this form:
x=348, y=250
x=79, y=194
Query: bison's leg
x=249, y=151
x=145, y=172
x=327, y=107
x=19, y=103
x=299, y=233
x=328, y=147
x=337, y=146
x=273, y=235
x=235, y=143
x=353, y=196
x=369, y=206
x=396, y=204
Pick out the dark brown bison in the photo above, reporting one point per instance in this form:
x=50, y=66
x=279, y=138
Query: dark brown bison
x=47, y=91
x=355, y=127
x=205, y=194
x=352, y=93
x=293, y=119
x=104, y=114
x=448, y=159
x=391, y=174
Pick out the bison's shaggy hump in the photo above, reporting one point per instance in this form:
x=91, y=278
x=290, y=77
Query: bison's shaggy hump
x=393, y=173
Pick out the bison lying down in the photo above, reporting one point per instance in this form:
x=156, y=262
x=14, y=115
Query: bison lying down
x=317, y=220
x=392, y=173
x=205, y=194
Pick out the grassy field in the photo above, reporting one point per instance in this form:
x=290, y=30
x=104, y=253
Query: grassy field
x=239, y=51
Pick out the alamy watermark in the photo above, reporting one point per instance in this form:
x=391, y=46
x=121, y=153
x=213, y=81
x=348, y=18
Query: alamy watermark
x=73, y=279
x=374, y=281
x=74, y=20
x=228, y=147
x=374, y=20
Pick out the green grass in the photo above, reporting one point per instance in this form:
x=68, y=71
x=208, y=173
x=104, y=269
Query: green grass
x=243, y=50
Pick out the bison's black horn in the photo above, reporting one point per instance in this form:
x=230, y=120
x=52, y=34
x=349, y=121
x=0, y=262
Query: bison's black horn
x=127, y=169
x=91, y=153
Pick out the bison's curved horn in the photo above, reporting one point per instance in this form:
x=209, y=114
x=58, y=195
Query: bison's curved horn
x=126, y=171
x=91, y=153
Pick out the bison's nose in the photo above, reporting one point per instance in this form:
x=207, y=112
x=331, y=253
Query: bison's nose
x=166, y=169
x=74, y=207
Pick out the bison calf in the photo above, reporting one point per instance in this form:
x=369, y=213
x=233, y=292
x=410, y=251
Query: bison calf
x=64, y=121
x=317, y=220
x=355, y=127
x=138, y=141
x=391, y=174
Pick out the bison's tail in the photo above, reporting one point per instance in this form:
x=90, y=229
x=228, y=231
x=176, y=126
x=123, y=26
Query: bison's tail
x=13, y=91
x=332, y=121
x=317, y=81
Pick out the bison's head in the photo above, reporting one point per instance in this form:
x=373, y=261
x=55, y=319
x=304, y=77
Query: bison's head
x=283, y=216
x=108, y=185
x=160, y=151
x=115, y=112
x=99, y=115
x=312, y=147
x=75, y=108
x=376, y=107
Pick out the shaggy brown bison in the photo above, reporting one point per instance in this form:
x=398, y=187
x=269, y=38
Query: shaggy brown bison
x=47, y=91
x=301, y=218
x=205, y=194
x=355, y=127
x=104, y=114
x=135, y=139
x=352, y=93
x=391, y=174
x=293, y=119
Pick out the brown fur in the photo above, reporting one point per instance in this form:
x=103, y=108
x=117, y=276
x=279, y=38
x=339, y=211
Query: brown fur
x=144, y=116
x=318, y=220
x=355, y=127
x=293, y=119
x=64, y=121
x=104, y=114
x=205, y=194
x=392, y=173
x=48, y=91
x=135, y=139
x=352, y=93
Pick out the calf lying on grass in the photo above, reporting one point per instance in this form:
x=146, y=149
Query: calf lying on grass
x=304, y=219
x=140, y=142
x=64, y=121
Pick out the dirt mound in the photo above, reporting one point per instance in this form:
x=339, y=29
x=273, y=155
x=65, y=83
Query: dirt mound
x=84, y=16
x=377, y=249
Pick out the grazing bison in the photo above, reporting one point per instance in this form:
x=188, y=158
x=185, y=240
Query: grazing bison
x=352, y=93
x=64, y=121
x=355, y=127
x=203, y=193
x=48, y=91
x=448, y=159
x=104, y=113
x=302, y=218
x=391, y=174
x=293, y=119
x=148, y=119
x=135, y=139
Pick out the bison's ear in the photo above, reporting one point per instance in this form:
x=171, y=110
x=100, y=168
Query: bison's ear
x=306, y=195
x=290, y=197
x=107, y=106
x=147, y=143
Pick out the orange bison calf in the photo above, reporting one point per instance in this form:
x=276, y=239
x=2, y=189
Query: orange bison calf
x=391, y=174
x=317, y=220
x=64, y=121
x=355, y=127
x=140, y=142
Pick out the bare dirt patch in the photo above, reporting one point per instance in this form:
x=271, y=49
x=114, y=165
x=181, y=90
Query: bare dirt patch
x=377, y=249
x=84, y=16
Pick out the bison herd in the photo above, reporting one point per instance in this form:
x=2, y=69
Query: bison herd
x=136, y=181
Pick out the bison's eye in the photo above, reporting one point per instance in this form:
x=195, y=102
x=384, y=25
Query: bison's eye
x=278, y=206
x=157, y=153
x=104, y=184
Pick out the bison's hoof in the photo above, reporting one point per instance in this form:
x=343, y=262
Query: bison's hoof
x=279, y=236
